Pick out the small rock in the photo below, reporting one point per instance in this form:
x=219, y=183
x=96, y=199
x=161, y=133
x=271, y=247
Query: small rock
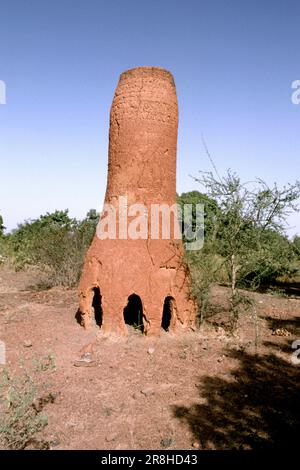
x=56, y=442
x=86, y=357
x=147, y=392
x=151, y=350
x=84, y=364
x=27, y=343
x=166, y=442
x=111, y=437
x=281, y=332
x=196, y=445
x=108, y=411
x=85, y=360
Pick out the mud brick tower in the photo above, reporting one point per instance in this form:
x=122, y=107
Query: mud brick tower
x=141, y=282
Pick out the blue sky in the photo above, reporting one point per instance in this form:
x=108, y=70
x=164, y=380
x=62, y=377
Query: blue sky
x=233, y=63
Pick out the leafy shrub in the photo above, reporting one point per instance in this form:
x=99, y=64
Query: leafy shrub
x=20, y=421
x=56, y=244
x=205, y=268
x=296, y=246
x=210, y=210
x=244, y=232
x=272, y=259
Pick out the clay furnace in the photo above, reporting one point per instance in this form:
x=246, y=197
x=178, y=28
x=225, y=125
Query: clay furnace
x=143, y=282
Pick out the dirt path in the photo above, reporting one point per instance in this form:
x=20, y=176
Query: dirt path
x=204, y=390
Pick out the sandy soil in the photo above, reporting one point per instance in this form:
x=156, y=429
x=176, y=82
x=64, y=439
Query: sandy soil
x=207, y=389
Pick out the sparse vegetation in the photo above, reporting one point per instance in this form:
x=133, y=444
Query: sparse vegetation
x=244, y=238
x=55, y=243
x=21, y=417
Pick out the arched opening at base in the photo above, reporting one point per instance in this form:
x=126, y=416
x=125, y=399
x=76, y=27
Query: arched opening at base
x=168, y=310
x=96, y=304
x=133, y=312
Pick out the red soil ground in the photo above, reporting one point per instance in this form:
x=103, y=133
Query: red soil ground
x=207, y=389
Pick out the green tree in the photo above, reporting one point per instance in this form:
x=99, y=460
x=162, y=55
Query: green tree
x=296, y=246
x=203, y=264
x=56, y=243
x=248, y=215
x=273, y=257
x=210, y=209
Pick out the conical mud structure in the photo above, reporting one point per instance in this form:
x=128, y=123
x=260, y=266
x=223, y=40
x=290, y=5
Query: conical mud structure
x=130, y=277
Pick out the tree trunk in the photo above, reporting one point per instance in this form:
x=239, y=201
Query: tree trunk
x=233, y=276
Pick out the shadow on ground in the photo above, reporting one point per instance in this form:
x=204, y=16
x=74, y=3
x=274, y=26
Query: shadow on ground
x=292, y=325
x=256, y=407
x=288, y=289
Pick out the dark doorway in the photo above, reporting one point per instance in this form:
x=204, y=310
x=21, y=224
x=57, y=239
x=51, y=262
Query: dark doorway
x=133, y=312
x=167, y=313
x=96, y=304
